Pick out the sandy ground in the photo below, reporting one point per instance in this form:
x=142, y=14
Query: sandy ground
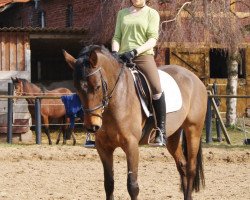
x=67, y=172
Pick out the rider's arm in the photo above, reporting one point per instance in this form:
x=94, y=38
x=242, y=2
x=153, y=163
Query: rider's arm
x=146, y=46
x=118, y=34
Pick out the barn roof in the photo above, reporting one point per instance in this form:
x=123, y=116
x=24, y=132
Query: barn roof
x=5, y=4
x=47, y=33
x=43, y=30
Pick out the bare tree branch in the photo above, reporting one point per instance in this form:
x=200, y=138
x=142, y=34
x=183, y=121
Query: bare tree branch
x=242, y=2
x=171, y=20
x=236, y=14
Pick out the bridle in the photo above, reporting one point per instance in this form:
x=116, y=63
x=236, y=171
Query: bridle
x=105, y=95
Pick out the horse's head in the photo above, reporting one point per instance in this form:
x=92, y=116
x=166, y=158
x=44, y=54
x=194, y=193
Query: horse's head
x=18, y=86
x=91, y=84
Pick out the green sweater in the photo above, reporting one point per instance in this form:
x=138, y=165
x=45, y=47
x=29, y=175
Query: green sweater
x=132, y=31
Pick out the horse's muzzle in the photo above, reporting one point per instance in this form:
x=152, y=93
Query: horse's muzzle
x=93, y=128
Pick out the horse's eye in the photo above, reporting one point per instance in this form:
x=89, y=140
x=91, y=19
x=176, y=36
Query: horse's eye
x=97, y=88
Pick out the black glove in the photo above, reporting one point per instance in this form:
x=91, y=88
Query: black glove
x=127, y=57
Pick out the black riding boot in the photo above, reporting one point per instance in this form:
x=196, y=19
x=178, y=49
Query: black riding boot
x=160, y=115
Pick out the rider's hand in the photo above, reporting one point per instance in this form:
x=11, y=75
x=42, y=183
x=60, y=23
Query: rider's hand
x=128, y=56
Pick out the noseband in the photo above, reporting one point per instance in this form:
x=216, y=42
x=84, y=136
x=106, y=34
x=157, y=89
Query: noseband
x=105, y=95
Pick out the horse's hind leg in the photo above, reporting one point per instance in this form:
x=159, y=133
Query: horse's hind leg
x=132, y=153
x=58, y=137
x=194, y=160
x=175, y=149
x=106, y=156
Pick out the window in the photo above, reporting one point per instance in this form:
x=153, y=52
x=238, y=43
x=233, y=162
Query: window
x=41, y=19
x=167, y=56
x=69, y=16
x=219, y=65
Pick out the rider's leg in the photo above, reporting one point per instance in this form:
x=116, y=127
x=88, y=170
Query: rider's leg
x=147, y=65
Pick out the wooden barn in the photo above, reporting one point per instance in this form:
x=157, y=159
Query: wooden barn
x=34, y=32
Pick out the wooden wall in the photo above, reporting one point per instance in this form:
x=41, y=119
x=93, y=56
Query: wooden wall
x=198, y=61
x=12, y=54
x=248, y=75
x=14, y=57
x=14, y=62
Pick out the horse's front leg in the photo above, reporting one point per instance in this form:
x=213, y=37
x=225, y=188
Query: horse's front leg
x=73, y=136
x=106, y=155
x=132, y=153
x=46, y=127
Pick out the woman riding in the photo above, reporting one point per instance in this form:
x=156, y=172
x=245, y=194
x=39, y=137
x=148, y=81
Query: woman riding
x=136, y=34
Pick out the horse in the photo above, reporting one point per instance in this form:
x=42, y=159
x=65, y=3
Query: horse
x=112, y=111
x=50, y=108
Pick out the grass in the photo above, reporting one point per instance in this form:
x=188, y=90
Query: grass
x=236, y=134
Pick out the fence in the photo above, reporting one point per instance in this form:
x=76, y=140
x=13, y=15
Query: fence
x=213, y=102
x=38, y=122
x=212, y=98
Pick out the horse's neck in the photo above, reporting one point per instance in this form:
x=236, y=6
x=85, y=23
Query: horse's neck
x=31, y=90
x=112, y=71
x=120, y=83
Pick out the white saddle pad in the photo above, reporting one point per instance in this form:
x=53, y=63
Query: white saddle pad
x=172, y=92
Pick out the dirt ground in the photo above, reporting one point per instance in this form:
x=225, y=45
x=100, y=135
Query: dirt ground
x=71, y=173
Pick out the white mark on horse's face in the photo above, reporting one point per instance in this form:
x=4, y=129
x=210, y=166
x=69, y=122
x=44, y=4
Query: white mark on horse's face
x=84, y=86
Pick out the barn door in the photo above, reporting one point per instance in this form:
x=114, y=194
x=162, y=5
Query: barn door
x=193, y=61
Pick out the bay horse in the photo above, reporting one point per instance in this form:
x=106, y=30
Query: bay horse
x=113, y=112
x=50, y=108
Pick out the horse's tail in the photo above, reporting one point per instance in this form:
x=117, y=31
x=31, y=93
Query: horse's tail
x=199, y=178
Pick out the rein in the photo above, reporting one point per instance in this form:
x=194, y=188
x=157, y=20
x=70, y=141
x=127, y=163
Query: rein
x=106, y=96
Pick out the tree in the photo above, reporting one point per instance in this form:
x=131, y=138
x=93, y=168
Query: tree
x=207, y=22
x=220, y=24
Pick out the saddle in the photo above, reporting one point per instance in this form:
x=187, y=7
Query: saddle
x=173, y=100
x=143, y=90
x=145, y=95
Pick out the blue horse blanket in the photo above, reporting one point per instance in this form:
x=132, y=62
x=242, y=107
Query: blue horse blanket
x=73, y=107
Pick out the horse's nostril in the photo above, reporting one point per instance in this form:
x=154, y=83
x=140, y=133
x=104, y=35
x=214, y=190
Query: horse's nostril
x=95, y=128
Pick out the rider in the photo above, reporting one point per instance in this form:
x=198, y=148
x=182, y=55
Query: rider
x=136, y=34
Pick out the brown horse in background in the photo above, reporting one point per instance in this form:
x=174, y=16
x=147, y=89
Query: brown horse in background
x=50, y=108
x=113, y=112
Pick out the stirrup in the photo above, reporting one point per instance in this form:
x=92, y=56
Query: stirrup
x=88, y=142
x=161, y=144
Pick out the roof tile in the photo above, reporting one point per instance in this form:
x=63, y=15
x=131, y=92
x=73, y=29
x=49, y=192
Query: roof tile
x=6, y=2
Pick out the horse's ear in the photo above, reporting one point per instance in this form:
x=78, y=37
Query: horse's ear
x=69, y=59
x=12, y=79
x=93, y=58
x=18, y=80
